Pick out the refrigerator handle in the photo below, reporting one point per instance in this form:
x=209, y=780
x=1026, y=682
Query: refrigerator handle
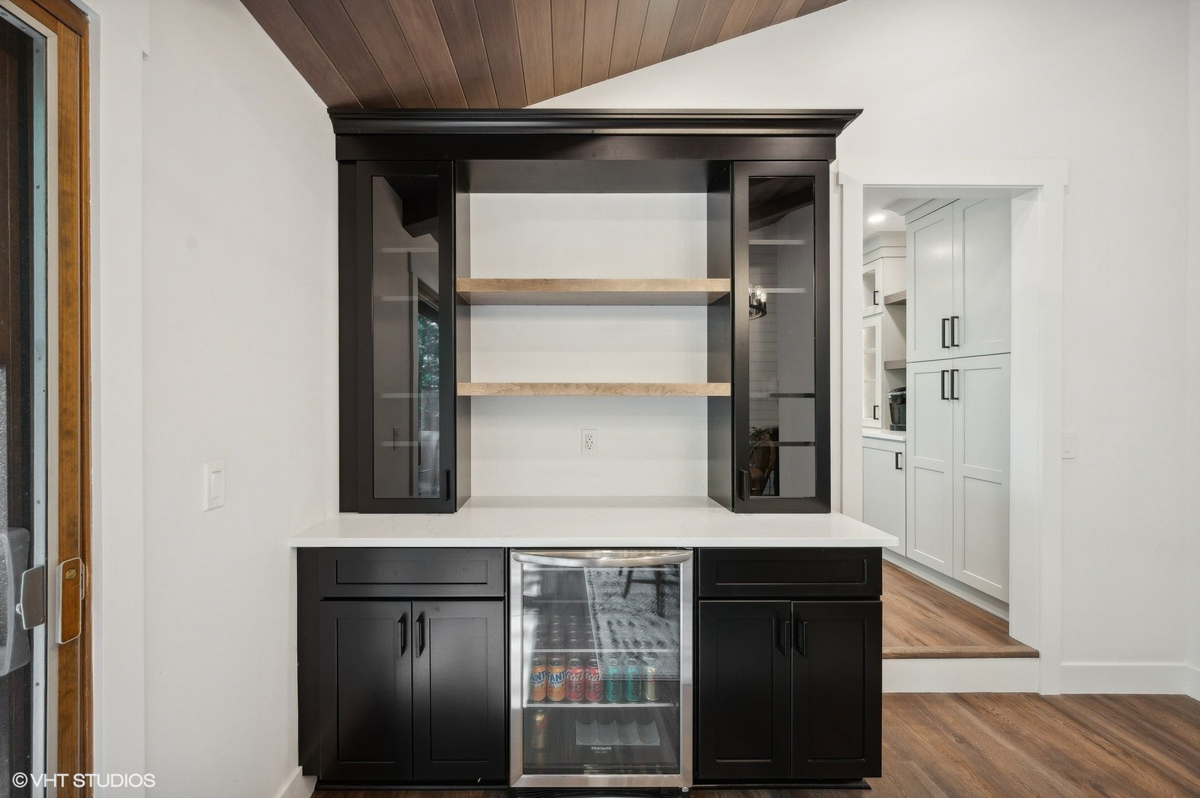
x=601, y=558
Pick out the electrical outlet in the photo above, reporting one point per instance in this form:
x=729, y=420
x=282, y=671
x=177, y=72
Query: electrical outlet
x=588, y=443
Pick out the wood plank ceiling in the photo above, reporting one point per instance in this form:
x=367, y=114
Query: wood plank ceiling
x=494, y=53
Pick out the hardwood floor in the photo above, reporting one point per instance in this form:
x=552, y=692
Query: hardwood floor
x=924, y=621
x=1007, y=745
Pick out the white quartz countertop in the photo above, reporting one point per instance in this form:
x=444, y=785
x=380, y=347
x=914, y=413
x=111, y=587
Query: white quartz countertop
x=884, y=434
x=594, y=523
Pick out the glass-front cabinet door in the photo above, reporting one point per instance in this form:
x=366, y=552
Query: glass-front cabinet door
x=601, y=668
x=397, y=338
x=781, y=337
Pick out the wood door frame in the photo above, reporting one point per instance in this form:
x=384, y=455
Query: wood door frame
x=73, y=731
x=1037, y=188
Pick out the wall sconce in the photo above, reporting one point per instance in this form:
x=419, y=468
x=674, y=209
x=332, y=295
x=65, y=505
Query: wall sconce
x=758, y=302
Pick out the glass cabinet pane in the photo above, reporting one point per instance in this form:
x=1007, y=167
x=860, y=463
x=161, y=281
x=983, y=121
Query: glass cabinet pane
x=600, y=667
x=406, y=302
x=782, y=339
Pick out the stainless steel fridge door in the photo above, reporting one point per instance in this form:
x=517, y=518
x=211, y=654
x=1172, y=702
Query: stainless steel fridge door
x=626, y=614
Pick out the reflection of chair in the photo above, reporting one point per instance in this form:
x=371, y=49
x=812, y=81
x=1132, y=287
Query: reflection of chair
x=659, y=581
x=764, y=455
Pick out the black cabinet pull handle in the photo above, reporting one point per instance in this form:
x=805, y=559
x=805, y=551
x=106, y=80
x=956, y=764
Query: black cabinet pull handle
x=875, y=412
x=945, y=322
x=743, y=484
x=954, y=331
x=874, y=297
x=802, y=639
x=898, y=466
x=944, y=385
x=782, y=635
x=953, y=383
x=420, y=634
x=402, y=638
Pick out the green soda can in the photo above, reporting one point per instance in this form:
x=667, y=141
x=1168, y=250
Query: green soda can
x=633, y=680
x=614, y=681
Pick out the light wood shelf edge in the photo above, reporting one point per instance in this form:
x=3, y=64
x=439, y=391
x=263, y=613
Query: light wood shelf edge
x=563, y=291
x=593, y=389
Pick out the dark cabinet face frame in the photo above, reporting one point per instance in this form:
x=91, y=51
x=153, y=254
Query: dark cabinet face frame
x=397, y=336
x=780, y=319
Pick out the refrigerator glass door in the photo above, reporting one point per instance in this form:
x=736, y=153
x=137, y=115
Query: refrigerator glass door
x=601, y=687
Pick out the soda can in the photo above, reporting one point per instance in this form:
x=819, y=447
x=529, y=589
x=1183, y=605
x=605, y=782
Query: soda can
x=651, y=678
x=633, y=681
x=537, y=678
x=575, y=679
x=537, y=735
x=593, y=688
x=556, y=679
x=614, y=682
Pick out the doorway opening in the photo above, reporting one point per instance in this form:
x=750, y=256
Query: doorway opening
x=951, y=287
x=936, y=365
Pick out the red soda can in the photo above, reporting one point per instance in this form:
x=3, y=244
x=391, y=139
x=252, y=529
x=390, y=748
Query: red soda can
x=575, y=679
x=593, y=687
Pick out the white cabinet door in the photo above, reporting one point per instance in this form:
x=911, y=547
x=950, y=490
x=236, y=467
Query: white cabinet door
x=930, y=453
x=980, y=387
x=982, y=277
x=930, y=275
x=872, y=377
x=883, y=488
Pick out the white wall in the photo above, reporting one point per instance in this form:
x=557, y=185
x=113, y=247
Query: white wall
x=1103, y=84
x=1193, y=343
x=117, y=44
x=220, y=242
x=651, y=446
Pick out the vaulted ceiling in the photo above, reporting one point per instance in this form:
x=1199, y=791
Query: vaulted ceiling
x=494, y=53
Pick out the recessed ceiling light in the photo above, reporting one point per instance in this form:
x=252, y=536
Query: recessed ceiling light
x=877, y=218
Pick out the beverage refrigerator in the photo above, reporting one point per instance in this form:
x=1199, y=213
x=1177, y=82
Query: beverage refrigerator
x=601, y=668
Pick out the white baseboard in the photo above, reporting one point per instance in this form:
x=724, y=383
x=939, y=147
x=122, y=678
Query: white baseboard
x=1011, y=675
x=297, y=785
x=1192, y=683
x=952, y=586
x=1124, y=677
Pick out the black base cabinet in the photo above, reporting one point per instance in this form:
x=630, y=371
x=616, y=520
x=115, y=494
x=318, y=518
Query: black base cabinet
x=397, y=691
x=788, y=690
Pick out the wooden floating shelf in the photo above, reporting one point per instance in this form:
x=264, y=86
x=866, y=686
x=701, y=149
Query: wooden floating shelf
x=593, y=389
x=895, y=364
x=898, y=298
x=554, y=291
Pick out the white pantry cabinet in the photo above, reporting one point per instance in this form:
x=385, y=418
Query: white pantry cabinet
x=959, y=271
x=930, y=480
x=872, y=376
x=883, y=488
x=958, y=462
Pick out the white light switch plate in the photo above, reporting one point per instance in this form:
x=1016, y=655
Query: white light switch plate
x=1070, y=445
x=214, y=484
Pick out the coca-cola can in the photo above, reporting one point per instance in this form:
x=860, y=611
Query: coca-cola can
x=593, y=686
x=575, y=676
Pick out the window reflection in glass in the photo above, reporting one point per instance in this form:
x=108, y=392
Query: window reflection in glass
x=405, y=306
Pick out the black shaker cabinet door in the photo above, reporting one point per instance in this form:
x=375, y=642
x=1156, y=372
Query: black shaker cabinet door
x=744, y=705
x=836, y=689
x=458, y=686
x=366, y=690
